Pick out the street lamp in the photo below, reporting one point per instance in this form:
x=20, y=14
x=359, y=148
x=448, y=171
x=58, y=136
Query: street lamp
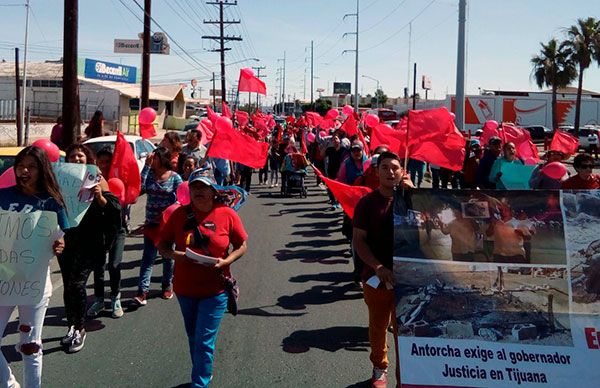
x=371, y=78
x=243, y=60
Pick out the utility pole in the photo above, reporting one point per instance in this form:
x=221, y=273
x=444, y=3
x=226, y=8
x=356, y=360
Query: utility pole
x=312, y=76
x=222, y=38
x=356, y=101
x=213, y=92
x=460, y=66
x=18, y=98
x=304, y=85
x=408, y=63
x=414, y=104
x=145, y=95
x=283, y=99
x=70, y=97
x=24, y=104
x=258, y=69
x=279, y=94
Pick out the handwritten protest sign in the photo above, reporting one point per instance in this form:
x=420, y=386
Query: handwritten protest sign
x=25, y=249
x=75, y=180
x=498, y=288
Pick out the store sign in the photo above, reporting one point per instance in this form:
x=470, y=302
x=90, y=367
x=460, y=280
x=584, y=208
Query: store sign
x=342, y=88
x=128, y=46
x=107, y=71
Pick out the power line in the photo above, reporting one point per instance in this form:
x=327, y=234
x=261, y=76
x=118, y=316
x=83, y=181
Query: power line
x=401, y=28
x=385, y=17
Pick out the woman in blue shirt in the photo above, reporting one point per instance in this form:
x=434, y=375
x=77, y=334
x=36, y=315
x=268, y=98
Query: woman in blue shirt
x=36, y=190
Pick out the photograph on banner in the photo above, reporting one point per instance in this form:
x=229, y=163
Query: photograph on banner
x=495, y=226
x=582, y=231
x=483, y=301
x=25, y=249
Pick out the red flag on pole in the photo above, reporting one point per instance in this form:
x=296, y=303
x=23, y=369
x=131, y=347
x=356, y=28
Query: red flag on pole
x=225, y=112
x=230, y=144
x=433, y=138
x=565, y=143
x=124, y=166
x=393, y=138
x=350, y=126
x=212, y=116
x=250, y=83
x=348, y=196
x=242, y=118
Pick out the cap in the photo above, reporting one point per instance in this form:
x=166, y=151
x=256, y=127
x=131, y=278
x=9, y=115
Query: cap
x=494, y=140
x=202, y=175
x=357, y=144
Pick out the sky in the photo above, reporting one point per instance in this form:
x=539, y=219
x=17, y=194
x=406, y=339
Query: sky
x=502, y=36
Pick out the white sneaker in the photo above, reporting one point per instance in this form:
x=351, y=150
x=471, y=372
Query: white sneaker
x=117, y=310
x=66, y=340
x=379, y=378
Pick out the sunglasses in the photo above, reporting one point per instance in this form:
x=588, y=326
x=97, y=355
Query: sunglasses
x=585, y=166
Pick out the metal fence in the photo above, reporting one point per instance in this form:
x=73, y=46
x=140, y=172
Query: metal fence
x=8, y=109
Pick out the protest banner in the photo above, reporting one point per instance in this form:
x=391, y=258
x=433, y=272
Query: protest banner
x=75, y=181
x=497, y=288
x=25, y=249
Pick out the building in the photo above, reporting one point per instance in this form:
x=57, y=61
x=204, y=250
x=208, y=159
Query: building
x=118, y=101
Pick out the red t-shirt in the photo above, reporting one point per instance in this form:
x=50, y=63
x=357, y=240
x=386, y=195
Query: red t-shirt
x=374, y=214
x=576, y=183
x=221, y=227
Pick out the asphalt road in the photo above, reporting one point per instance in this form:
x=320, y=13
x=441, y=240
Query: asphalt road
x=302, y=322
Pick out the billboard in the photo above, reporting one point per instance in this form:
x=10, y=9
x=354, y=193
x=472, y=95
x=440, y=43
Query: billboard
x=497, y=288
x=128, y=46
x=107, y=71
x=342, y=88
x=159, y=44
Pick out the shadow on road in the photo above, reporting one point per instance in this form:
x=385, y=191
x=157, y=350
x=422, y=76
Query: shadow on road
x=319, y=295
x=331, y=339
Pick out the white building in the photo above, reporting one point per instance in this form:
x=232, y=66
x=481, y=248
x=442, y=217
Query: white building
x=119, y=102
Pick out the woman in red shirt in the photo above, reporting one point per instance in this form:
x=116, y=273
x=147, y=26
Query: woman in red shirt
x=584, y=179
x=207, y=227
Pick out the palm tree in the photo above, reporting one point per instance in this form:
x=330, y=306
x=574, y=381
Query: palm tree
x=551, y=68
x=583, y=43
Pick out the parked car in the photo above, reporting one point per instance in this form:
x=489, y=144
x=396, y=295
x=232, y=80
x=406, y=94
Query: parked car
x=141, y=147
x=392, y=123
x=539, y=132
x=8, y=155
x=584, y=135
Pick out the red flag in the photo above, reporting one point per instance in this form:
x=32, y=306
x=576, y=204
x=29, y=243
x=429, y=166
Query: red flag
x=279, y=133
x=350, y=126
x=239, y=147
x=394, y=139
x=147, y=131
x=124, y=166
x=447, y=151
x=249, y=83
x=206, y=127
x=290, y=120
x=361, y=137
x=526, y=150
x=242, y=118
x=313, y=119
x=212, y=116
x=348, y=196
x=433, y=138
x=565, y=143
x=225, y=112
x=304, y=149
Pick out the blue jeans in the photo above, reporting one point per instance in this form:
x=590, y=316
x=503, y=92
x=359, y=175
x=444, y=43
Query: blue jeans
x=416, y=169
x=202, y=318
x=148, y=258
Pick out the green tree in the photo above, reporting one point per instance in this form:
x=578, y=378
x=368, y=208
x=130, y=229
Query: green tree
x=321, y=106
x=583, y=44
x=380, y=98
x=552, y=68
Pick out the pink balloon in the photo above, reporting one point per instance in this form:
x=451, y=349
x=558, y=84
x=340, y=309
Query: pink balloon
x=322, y=134
x=223, y=123
x=183, y=193
x=554, y=170
x=385, y=127
x=332, y=114
x=310, y=137
x=347, y=110
x=147, y=116
x=116, y=186
x=8, y=179
x=50, y=148
x=372, y=120
x=490, y=124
